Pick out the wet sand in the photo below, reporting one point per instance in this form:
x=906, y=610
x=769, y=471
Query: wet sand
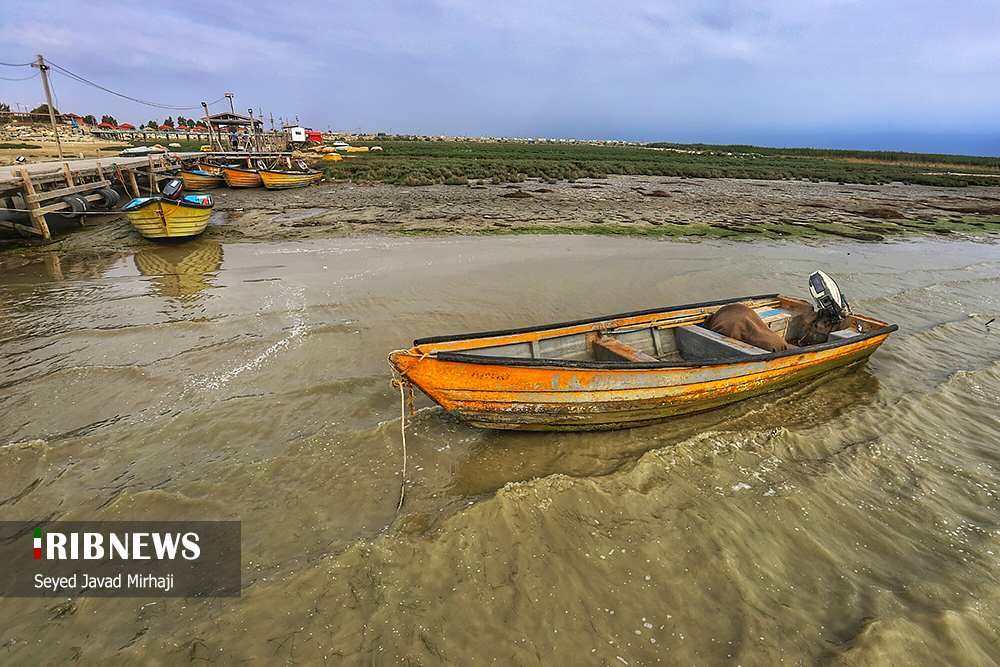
x=641, y=206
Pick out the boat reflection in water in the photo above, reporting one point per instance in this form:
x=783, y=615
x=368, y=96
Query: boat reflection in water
x=182, y=271
x=501, y=457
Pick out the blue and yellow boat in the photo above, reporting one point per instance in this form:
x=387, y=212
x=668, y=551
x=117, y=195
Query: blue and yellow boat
x=170, y=215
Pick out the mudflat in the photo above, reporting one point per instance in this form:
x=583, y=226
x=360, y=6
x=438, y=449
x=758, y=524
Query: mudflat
x=618, y=205
x=641, y=206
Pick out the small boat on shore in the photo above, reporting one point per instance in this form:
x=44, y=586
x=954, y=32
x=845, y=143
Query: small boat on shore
x=201, y=180
x=280, y=179
x=237, y=177
x=170, y=215
x=637, y=368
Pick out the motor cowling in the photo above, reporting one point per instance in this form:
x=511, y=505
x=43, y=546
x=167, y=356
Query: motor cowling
x=830, y=301
x=173, y=188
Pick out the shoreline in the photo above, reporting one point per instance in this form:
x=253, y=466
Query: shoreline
x=636, y=206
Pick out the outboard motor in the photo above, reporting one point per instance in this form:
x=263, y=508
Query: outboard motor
x=829, y=299
x=172, y=190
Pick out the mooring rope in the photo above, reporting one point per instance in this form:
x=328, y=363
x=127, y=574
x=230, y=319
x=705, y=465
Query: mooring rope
x=404, y=402
x=401, y=383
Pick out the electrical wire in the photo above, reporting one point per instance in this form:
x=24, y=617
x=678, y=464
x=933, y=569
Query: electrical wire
x=127, y=97
x=55, y=96
x=24, y=79
x=16, y=64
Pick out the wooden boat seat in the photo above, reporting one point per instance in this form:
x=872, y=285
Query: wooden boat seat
x=607, y=348
x=695, y=342
x=843, y=335
x=777, y=320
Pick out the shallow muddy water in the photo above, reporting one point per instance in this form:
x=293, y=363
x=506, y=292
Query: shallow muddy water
x=851, y=520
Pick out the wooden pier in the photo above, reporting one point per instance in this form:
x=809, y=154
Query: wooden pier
x=74, y=188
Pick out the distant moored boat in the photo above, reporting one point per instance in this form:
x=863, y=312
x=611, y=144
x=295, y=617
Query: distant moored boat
x=281, y=179
x=197, y=179
x=242, y=178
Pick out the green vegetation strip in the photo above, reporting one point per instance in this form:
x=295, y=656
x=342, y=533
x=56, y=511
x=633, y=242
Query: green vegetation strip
x=468, y=162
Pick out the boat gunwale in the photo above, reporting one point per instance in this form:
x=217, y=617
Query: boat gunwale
x=594, y=320
x=199, y=172
x=142, y=202
x=281, y=172
x=543, y=362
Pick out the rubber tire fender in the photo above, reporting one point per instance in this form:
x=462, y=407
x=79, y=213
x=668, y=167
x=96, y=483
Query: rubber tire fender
x=77, y=206
x=109, y=198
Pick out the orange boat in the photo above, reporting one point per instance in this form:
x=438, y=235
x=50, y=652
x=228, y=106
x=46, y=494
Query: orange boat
x=197, y=179
x=627, y=370
x=275, y=179
x=241, y=178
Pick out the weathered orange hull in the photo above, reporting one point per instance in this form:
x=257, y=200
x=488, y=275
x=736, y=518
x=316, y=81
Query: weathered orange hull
x=284, y=180
x=549, y=393
x=242, y=178
x=200, y=180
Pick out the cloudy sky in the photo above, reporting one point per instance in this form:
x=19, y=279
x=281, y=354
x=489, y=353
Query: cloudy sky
x=913, y=75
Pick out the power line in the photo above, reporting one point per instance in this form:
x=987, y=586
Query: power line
x=24, y=79
x=127, y=97
x=54, y=94
x=16, y=64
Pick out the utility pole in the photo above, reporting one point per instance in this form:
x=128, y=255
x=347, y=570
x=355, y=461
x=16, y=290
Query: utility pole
x=231, y=107
x=48, y=98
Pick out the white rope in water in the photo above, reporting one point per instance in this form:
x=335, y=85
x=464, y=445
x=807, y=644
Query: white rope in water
x=402, y=431
x=402, y=383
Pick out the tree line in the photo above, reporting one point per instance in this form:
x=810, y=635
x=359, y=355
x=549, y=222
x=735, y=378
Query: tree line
x=42, y=111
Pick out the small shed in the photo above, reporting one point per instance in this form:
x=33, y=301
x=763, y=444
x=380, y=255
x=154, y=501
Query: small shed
x=234, y=120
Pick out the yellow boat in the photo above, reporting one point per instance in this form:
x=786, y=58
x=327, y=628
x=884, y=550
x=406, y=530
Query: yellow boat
x=241, y=178
x=169, y=215
x=181, y=272
x=282, y=180
x=631, y=369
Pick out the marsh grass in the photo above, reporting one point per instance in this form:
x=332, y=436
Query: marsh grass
x=858, y=231
x=416, y=163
